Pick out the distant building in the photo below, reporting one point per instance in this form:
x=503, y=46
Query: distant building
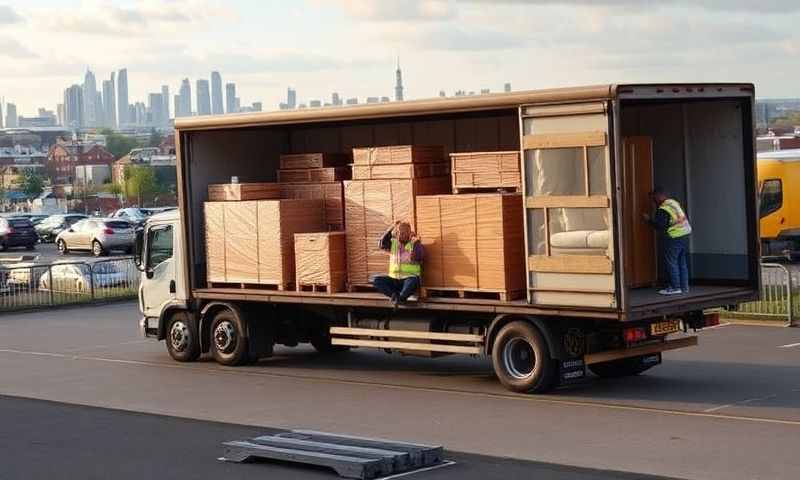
x=336, y=99
x=291, y=98
x=183, y=107
x=16, y=160
x=165, y=100
x=216, y=94
x=1, y=114
x=398, y=87
x=64, y=156
x=351, y=101
x=139, y=114
x=485, y=91
x=373, y=99
x=123, y=107
x=90, y=100
x=11, y=116
x=73, y=107
x=384, y=99
x=92, y=174
x=257, y=106
x=442, y=94
x=155, y=110
x=315, y=104
x=203, y=97
x=59, y=114
x=507, y=87
x=230, y=98
x=46, y=118
x=109, y=103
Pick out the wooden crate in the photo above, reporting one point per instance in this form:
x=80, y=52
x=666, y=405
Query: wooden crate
x=321, y=262
x=332, y=195
x=473, y=243
x=314, y=160
x=314, y=175
x=400, y=171
x=252, y=242
x=371, y=206
x=398, y=154
x=219, y=192
x=486, y=170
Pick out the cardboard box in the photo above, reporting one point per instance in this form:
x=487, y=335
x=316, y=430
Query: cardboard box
x=400, y=171
x=371, y=206
x=398, y=154
x=331, y=194
x=243, y=191
x=314, y=175
x=321, y=261
x=473, y=243
x=484, y=170
x=314, y=160
x=252, y=242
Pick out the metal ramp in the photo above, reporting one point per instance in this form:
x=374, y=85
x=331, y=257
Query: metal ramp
x=349, y=456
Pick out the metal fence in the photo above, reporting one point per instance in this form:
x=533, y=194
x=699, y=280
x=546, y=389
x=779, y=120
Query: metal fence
x=780, y=296
x=64, y=283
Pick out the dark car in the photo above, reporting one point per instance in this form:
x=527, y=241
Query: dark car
x=17, y=232
x=51, y=226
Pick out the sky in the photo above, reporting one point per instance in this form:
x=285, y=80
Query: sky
x=352, y=46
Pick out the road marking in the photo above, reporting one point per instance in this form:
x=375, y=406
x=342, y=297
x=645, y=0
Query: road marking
x=717, y=326
x=446, y=463
x=743, y=402
x=100, y=347
x=220, y=370
x=790, y=345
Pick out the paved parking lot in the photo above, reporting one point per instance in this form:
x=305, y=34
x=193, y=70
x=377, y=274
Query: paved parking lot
x=728, y=409
x=48, y=253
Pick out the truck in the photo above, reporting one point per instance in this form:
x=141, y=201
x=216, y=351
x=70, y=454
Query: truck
x=590, y=156
x=779, y=207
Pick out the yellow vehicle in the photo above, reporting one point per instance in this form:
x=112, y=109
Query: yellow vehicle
x=779, y=209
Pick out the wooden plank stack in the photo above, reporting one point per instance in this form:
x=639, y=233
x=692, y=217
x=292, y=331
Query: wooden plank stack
x=476, y=171
x=251, y=243
x=474, y=245
x=313, y=160
x=331, y=194
x=321, y=261
x=317, y=176
x=399, y=162
x=314, y=175
x=221, y=192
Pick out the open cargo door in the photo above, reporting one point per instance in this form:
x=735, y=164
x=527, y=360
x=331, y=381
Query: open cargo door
x=568, y=219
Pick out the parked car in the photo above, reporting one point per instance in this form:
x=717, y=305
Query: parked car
x=97, y=235
x=136, y=216
x=83, y=278
x=36, y=218
x=17, y=232
x=50, y=227
x=155, y=210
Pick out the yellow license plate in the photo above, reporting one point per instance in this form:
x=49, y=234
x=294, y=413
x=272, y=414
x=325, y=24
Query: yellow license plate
x=663, y=328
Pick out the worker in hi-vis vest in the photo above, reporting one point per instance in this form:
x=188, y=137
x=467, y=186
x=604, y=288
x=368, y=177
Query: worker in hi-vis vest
x=405, y=263
x=671, y=222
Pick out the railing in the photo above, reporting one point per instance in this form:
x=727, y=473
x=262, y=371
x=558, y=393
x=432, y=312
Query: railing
x=780, y=297
x=65, y=283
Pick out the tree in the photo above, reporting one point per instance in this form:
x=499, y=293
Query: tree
x=32, y=183
x=155, y=138
x=119, y=145
x=140, y=182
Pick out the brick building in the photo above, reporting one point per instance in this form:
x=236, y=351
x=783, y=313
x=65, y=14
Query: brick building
x=64, y=156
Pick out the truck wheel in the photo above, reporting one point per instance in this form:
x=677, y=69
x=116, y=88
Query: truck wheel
x=521, y=359
x=228, y=343
x=183, y=342
x=625, y=367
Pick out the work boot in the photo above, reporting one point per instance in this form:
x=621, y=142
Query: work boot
x=670, y=291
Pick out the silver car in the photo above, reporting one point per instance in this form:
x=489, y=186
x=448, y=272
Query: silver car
x=97, y=235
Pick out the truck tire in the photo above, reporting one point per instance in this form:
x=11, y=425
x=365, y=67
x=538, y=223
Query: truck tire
x=228, y=342
x=183, y=342
x=625, y=367
x=521, y=359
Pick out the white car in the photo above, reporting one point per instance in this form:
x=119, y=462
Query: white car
x=78, y=277
x=98, y=235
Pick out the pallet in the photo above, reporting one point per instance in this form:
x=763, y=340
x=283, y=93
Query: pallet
x=348, y=456
x=502, y=295
x=360, y=287
x=316, y=288
x=252, y=286
x=467, y=190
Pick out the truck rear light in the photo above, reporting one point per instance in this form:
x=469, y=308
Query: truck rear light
x=711, y=319
x=108, y=231
x=633, y=335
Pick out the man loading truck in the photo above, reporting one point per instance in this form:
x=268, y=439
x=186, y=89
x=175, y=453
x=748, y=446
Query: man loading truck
x=405, y=263
x=670, y=220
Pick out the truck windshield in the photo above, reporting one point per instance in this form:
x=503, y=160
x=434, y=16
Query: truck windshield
x=771, y=196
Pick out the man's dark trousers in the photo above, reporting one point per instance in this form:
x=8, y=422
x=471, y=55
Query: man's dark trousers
x=676, y=257
x=393, y=286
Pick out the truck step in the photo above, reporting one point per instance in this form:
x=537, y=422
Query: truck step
x=349, y=456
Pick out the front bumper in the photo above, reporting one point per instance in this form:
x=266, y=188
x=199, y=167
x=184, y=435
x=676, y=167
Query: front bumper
x=611, y=355
x=148, y=327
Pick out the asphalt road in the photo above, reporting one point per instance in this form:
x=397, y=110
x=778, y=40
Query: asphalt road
x=729, y=409
x=48, y=253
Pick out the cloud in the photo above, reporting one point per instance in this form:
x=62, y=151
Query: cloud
x=8, y=15
x=400, y=10
x=455, y=38
x=770, y=6
x=11, y=48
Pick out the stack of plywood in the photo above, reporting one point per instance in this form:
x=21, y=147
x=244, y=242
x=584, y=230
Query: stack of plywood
x=331, y=194
x=321, y=261
x=371, y=207
x=251, y=243
x=314, y=175
x=399, y=162
x=474, y=245
x=221, y=192
x=317, y=176
x=486, y=170
x=298, y=161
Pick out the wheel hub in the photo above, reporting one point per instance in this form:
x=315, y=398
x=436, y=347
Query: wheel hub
x=179, y=336
x=225, y=337
x=519, y=358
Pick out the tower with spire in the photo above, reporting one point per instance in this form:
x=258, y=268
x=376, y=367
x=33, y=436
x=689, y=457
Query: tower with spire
x=398, y=87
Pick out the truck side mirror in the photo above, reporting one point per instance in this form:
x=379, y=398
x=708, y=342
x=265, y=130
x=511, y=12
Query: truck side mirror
x=138, y=250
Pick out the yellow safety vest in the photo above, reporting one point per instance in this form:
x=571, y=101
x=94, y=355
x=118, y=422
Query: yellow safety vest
x=679, y=224
x=400, y=263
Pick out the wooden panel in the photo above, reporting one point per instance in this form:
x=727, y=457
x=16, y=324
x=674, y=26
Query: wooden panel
x=371, y=332
x=640, y=239
x=243, y=191
x=241, y=242
x=563, y=140
x=486, y=170
x=611, y=355
x=313, y=160
x=421, y=347
x=314, y=175
x=596, y=300
x=400, y=171
x=576, y=201
x=571, y=264
x=398, y=154
x=320, y=260
x=215, y=241
x=564, y=110
x=332, y=195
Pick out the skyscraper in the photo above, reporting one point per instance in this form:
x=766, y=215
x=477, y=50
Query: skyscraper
x=108, y=102
x=11, y=116
x=155, y=110
x=336, y=99
x=230, y=98
x=203, y=98
x=73, y=107
x=291, y=98
x=177, y=102
x=99, y=112
x=165, y=99
x=507, y=87
x=1, y=113
x=123, y=109
x=184, y=108
x=59, y=113
x=90, y=99
x=398, y=87
x=216, y=94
